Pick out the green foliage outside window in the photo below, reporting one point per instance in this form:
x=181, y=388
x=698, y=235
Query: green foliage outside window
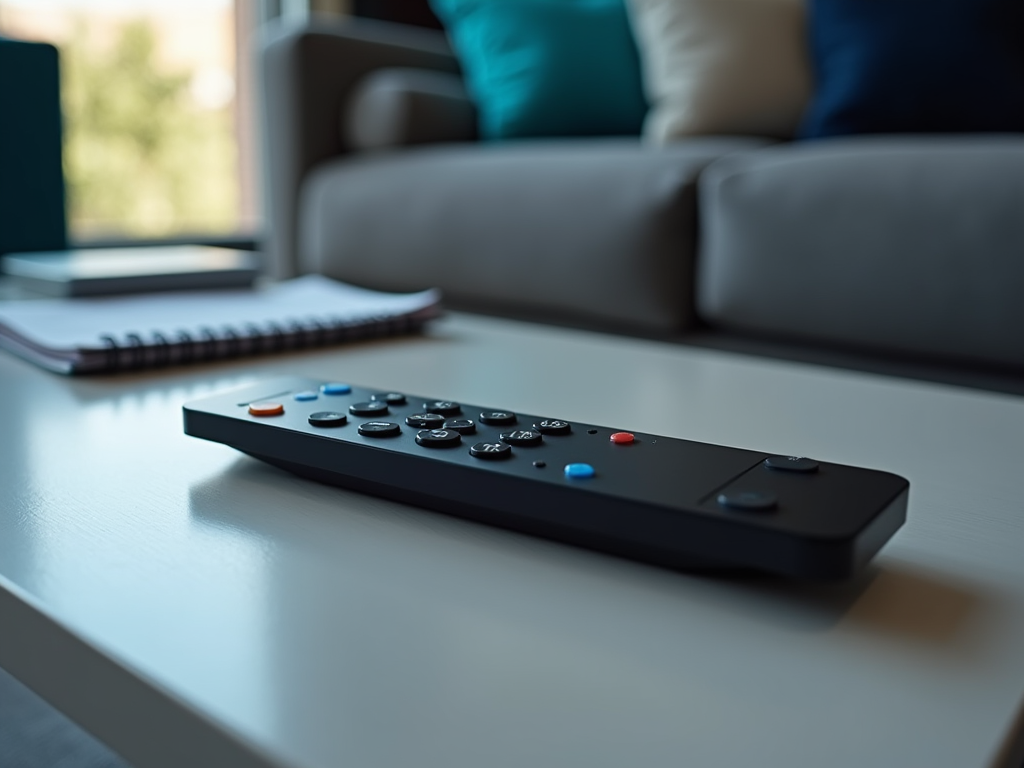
x=141, y=158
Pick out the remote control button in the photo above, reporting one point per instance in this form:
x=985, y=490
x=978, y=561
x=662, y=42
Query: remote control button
x=491, y=451
x=750, y=500
x=444, y=407
x=369, y=408
x=379, y=429
x=553, y=427
x=425, y=420
x=498, y=418
x=266, y=409
x=522, y=437
x=336, y=388
x=438, y=438
x=791, y=463
x=579, y=471
x=327, y=419
x=391, y=398
x=622, y=438
x=307, y=395
x=465, y=426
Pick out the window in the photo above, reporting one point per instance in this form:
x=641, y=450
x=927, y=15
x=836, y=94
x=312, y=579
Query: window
x=159, y=125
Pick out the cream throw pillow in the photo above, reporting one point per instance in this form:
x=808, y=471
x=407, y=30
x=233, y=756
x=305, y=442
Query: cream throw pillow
x=722, y=66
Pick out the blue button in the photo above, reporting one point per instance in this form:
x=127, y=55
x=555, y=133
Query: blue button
x=336, y=388
x=307, y=395
x=579, y=470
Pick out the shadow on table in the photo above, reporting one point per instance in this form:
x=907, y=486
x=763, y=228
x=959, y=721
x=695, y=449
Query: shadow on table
x=380, y=617
x=888, y=599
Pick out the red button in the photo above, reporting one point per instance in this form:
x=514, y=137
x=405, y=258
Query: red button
x=266, y=409
x=622, y=438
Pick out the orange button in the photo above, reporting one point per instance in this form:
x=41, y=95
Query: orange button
x=622, y=438
x=266, y=409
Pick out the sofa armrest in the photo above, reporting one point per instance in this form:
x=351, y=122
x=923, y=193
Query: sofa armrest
x=308, y=73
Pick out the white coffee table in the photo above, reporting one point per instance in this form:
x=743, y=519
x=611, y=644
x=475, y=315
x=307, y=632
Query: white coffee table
x=192, y=606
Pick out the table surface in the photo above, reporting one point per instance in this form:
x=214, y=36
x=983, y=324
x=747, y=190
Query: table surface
x=191, y=605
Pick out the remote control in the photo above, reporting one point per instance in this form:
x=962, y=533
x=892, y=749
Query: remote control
x=660, y=500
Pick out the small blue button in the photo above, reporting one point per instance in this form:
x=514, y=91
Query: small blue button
x=336, y=388
x=307, y=395
x=579, y=470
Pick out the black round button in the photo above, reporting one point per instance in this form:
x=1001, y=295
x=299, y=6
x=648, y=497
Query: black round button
x=498, y=418
x=491, y=451
x=379, y=429
x=553, y=427
x=522, y=437
x=369, y=408
x=438, y=438
x=425, y=420
x=465, y=426
x=752, y=500
x=391, y=398
x=444, y=407
x=327, y=419
x=791, y=463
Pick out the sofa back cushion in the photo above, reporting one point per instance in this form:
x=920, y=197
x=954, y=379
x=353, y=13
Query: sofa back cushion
x=908, y=244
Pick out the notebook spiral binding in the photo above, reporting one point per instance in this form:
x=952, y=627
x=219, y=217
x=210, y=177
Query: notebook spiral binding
x=157, y=350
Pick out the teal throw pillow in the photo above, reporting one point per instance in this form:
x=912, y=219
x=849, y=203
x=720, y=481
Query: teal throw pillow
x=547, y=67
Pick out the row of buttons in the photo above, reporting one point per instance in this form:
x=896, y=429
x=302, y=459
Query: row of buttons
x=436, y=425
x=438, y=432
x=338, y=388
x=487, y=451
x=433, y=417
x=434, y=412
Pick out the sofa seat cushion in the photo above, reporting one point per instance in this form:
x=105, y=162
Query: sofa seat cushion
x=906, y=244
x=598, y=229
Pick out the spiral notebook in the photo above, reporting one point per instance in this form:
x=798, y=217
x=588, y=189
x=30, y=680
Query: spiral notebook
x=93, y=335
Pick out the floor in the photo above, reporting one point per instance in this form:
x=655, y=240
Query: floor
x=35, y=735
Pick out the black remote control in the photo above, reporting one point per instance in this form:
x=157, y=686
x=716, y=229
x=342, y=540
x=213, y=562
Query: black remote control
x=660, y=500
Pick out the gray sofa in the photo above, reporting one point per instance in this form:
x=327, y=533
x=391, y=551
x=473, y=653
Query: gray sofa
x=895, y=244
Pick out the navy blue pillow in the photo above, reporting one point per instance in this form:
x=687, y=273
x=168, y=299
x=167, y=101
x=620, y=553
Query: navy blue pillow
x=916, y=66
